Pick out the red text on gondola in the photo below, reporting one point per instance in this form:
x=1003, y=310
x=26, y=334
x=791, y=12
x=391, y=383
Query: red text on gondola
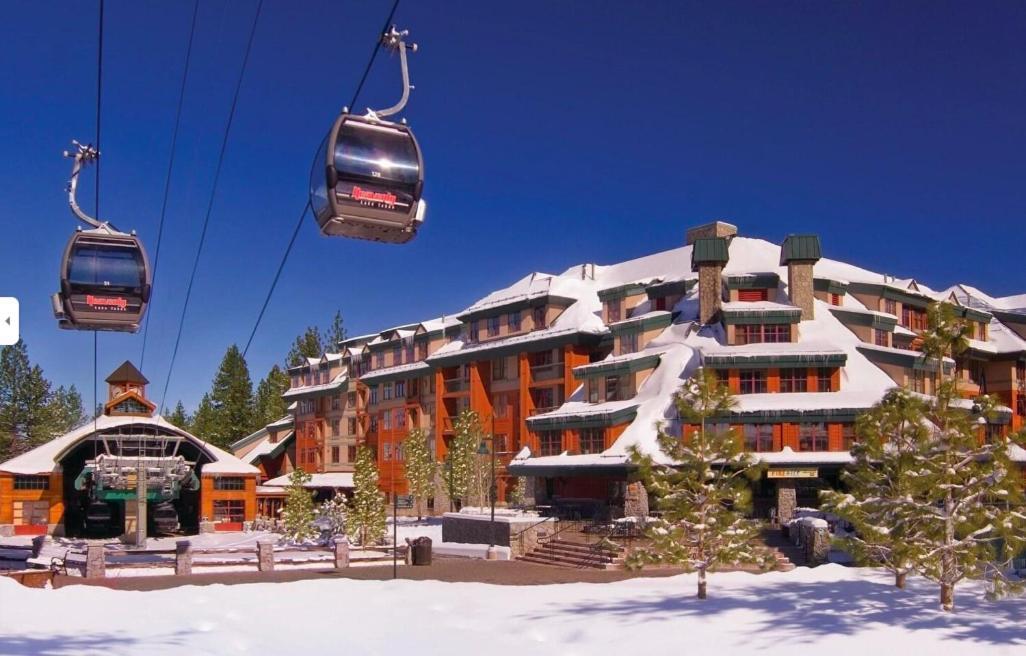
x=384, y=198
x=107, y=302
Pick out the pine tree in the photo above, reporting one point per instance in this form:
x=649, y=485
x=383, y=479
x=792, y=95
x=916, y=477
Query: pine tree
x=204, y=422
x=888, y=529
x=517, y=496
x=421, y=468
x=180, y=418
x=307, y=345
x=366, y=517
x=67, y=409
x=298, y=514
x=27, y=418
x=706, y=494
x=269, y=405
x=333, y=512
x=459, y=458
x=335, y=334
x=232, y=400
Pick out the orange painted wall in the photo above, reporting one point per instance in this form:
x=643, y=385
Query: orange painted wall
x=208, y=495
x=54, y=495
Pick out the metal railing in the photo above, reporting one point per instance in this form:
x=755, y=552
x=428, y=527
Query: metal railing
x=551, y=371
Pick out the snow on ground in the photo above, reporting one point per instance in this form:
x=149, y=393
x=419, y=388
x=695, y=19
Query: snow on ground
x=831, y=609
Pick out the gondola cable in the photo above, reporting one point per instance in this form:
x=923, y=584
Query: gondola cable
x=210, y=203
x=307, y=206
x=170, y=168
x=96, y=202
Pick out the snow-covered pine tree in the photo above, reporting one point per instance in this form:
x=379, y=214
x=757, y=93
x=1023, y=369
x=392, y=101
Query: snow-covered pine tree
x=704, y=496
x=298, y=514
x=333, y=512
x=460, y=457
x=969, y=494
x=879, y=486
x=366, y=516
x=517, y=495
x=420, y=468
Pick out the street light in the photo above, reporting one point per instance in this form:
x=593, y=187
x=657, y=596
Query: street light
x=492, y=553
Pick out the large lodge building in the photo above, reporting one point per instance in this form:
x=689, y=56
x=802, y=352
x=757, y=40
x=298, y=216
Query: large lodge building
x=568, y=371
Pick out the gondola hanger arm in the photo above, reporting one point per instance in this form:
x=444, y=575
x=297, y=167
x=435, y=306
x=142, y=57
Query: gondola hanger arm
x=84, y=154
x=393, y=39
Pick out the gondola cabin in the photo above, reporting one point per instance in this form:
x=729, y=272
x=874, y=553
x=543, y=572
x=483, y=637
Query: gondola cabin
x=368, y=180
x=105, y=282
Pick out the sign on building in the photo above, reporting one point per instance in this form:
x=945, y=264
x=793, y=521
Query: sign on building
x=793, y=473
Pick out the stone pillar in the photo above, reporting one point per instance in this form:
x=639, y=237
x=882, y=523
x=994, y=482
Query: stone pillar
x=710, y=292
x=787, y=500
x=800, y=288
x=818, y=546
x=183, y=557
x=709, y=230
x=341, y=553
x=96, y=563
x=265, y=556
x=37, y=545
x=635, y=501
x=206, y=526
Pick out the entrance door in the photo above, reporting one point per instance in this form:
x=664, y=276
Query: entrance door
x=31, y=517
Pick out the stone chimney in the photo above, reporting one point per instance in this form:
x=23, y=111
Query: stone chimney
x=710, y=231
x=800, y=253
x=708, y=256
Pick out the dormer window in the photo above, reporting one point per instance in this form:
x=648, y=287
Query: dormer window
x=614, y=311
x=538, y=315
x=493, y=326
x=513, y=321
x=379, y=360
x=629, y=342
x=475, y=329
x=397, y=355
x=752, y=295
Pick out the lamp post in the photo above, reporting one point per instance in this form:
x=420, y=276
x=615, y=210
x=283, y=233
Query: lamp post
x=492, y=553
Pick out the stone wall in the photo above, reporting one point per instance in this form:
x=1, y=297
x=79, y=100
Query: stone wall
x=635, y=501
x=787, y=500
x=521, y=533
x=799, y=288
x=714, y=229
x=710, y=292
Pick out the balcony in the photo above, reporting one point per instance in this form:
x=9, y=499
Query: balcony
x=546, y=372
x=455, y=385
x=542, y=410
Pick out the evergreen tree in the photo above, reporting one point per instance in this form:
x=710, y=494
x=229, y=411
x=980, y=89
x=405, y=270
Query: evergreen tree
x=269, y=405
x=232, y=400
x=460, y=456
x=333, y=512
x=180, y=418
x=204, y=422
x=421, y=468
x=366, y=518
x=67, y=410
x=307, y=345
x=298, y=514
x=517, y=496
x=705, y=495
x=888, y=529
x=335, y=334
x=27, y=418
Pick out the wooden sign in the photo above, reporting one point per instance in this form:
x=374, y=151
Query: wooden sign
x=793, y=473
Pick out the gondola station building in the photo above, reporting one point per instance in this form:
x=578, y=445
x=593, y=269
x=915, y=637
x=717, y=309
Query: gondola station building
x=87, y=481
x=569, y=371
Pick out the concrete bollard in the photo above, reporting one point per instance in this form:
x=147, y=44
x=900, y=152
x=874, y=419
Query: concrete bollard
x=183, y=557
x=265, y=556
x=341, y=553
x=96, y=562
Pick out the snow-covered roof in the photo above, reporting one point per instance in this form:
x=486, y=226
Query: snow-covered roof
x=45, y=458
x=388, y=372
x=265, y=447
x=336, y=383
x=326, y=479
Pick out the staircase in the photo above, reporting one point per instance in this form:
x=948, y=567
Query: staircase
x=787, y=555
x=578, y=555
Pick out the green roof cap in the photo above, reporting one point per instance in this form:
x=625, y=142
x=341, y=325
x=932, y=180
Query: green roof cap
x=710, y=250
x=800, y=248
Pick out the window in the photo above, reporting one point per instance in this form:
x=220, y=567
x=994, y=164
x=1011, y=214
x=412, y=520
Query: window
x=400, y=451
x=386, y=421
x=918, y=381
x=613, y=313
x=753, y=382
x=295, y=380
x=794, y=381
x=31, y=482
x=351, y=453
x=812, y=437
x=499, y=369
x=500, y=406
x=400, y=418
x=336, y=454
x=660, y=304
x=422, y=350
x=409, y=352
x=835, y=299
x=336, y=427
x=386, y=451
x=890, y=307
x=351, y=425
x=229, y=511
x=592, y=440
x=614, y=388
x=723, y=377
x=379, y=360
x=373, y=425
x=752, y=295
x=824, y=379
x=374, y=394
x=593, y=390
x=493, y=326
x=747, y=334
x=538, y=317
x=513, y=321
x=307, y=379
x=629, y=342
x=881, y=337
x=758, y=437
x=501, y=443
x=336, y=402
x=550, y=443
x=913, y=318
x=475, y=329
x=776, y=333
x=848, y=436
x=351, y=399
x=400, y=389
x=387, y=393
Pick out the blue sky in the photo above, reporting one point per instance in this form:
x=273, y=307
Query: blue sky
x=554, y=133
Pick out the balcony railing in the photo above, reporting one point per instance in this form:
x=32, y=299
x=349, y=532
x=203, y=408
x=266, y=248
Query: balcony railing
x=542, y=410
x=453, y=385
x=552, y=371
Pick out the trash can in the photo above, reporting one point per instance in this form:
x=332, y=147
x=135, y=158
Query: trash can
x=421, y=551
